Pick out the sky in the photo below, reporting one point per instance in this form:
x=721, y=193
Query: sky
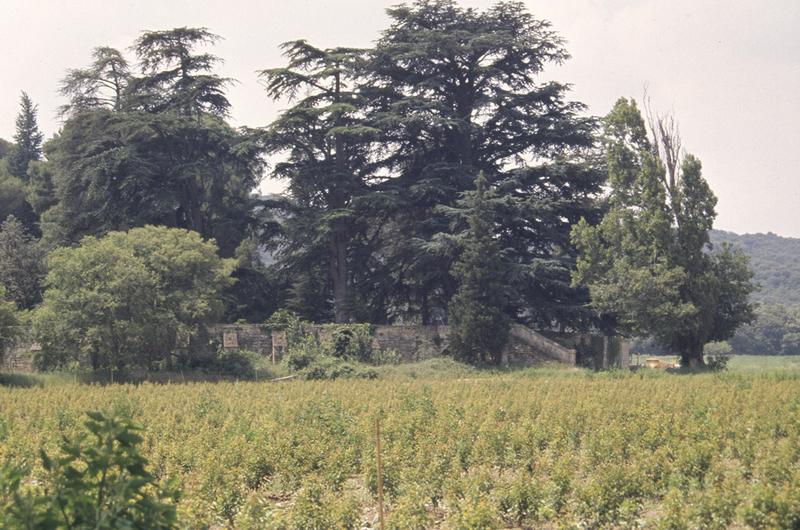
x=728, y=70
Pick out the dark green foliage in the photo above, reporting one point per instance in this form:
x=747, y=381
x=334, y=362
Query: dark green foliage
x=114, y=171
x=176, y=78
x=99, y=480
x=153, y=149
x=239, y=364
x=14, y=201
x=775, y=331
x=9, y=321
x=6, y=148
x=348, y=341
x=334, y=368
x=326, y=352
x=255, y=293
x=27, y=139
x=328, y=168
x=22, y=264
x=40, y=188
x=104, y=84
x=311, y=358
x=463, y=92
x=479, y=323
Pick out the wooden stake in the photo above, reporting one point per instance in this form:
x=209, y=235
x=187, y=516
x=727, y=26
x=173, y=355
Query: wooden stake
x=380, y=475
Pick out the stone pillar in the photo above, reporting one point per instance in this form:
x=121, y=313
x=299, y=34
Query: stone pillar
x=278, y=344
x=624, y=353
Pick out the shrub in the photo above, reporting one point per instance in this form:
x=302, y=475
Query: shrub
x=301, y=354
x=9, y=320
x=235, y=363
x=326, y=367
x=132, y=298
x=349, y=341
x=99, y=481
x=717, y=363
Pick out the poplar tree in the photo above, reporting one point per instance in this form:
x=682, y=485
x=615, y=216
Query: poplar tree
x=649, y=264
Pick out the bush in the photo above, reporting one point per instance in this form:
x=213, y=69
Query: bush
x=349, y=341
x=240, y=364
x=9, y=320
x=717, y=355
x=333, y=368
x=99, y=481
x=135, y=298
x=301, y=354
x=338, y=355
x=715, y=349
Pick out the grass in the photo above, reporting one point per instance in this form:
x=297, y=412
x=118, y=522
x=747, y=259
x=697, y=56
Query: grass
x=430, y=369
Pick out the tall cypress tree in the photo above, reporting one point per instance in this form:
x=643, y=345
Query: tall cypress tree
x=479, y=323
x=28, y=139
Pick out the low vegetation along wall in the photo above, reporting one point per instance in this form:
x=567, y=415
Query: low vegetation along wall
x=409, y=342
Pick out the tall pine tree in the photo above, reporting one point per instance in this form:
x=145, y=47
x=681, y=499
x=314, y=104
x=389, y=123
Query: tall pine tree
x=462, y=91
x=28, y=139
x=328, y=167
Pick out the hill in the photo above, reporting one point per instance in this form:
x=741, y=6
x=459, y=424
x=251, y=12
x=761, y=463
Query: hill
x=775, y=260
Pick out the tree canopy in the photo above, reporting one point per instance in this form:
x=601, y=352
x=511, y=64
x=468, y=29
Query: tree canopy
x=152, y=148
x=438, y=176
x=27, y=139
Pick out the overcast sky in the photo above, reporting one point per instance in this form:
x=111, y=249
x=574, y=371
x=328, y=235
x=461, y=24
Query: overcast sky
x=730, y=70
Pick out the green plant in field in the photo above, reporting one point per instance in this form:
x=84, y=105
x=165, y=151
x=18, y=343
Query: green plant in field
x=458, y=451
x=349, y=341
x=98, y=481
x=474, y=514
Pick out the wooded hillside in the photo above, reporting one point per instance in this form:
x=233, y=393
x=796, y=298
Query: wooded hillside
x=775, y=261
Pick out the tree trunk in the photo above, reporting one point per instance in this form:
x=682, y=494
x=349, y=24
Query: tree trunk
x=424, y=310
x=693, y=357
x=338, y=269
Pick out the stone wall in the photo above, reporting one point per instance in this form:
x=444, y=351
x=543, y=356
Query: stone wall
x=412, y=343
x=251, y=337
x=409, y=342
x=17, y=356
x=525, y=344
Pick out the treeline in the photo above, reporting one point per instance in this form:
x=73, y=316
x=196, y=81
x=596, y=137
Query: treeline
x=775, y=262
x=434, y=177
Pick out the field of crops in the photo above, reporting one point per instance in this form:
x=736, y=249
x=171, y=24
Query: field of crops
x=553, y=450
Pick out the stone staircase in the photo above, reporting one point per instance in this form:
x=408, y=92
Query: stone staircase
x=526, y=345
